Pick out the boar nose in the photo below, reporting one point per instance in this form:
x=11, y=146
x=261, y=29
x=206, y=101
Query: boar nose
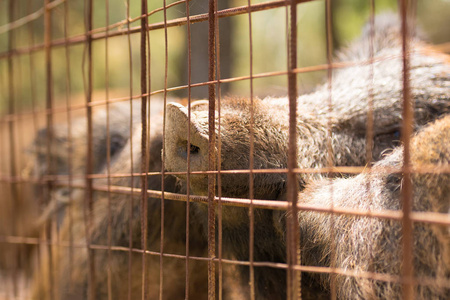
x=176, y=142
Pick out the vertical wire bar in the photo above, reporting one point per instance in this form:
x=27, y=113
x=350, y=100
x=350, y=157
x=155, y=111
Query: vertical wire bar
x=18, y=145
x=14, y=193
x=370, y=117
x=149, y=85
x=251, y=163
x=148, y=112
x=330, y=156
x=370, y=108
x=219, y=163
x=49, y=124
x=144, y=154
x=35, y=120
x=293, y=250
x=19, y=129
x=130, y=207
x=19, y=165
x=211, y=151
x=88, y=201
x=3, y=168
x=54, y=226
x=69, y=137
x=406, y=192
x=32, y=72
x=288, y=47
x=22, y=182
x=188, y=175
x=108, y=156
x=166, y=72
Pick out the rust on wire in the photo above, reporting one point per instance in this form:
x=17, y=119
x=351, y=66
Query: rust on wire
x=370, y=107
x=88, y=197
x=108, y=160
x=334, y=65
x=33, y=97
x=144, y=146
x=32, y=74
x=10, y=26
x=131, y=204
x=425, y=169
x=292, y=266
x=14, y=193
x=406, y=192
x=11, y=102
x=49, y=125
x=212, y=10
x=251, y=163
x=188, y=159
x=149, y=154
x=330, y=156
x=219, y=164
x=70, y=156
x=425, y=217
x=292, y=243
x=166, y=72
x=313, y=269
x=155, y=26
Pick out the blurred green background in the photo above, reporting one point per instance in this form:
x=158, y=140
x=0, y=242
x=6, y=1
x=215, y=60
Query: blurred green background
x=123, y=61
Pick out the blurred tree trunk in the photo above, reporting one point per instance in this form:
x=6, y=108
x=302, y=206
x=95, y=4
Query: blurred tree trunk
x=199, y=50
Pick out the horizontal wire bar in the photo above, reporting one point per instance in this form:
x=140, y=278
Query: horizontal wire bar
x=310, y=269
x=422, y=169
x=338, y=65
x=155, y=26
x=29, y=18
x=422, y=217
x=125, y=22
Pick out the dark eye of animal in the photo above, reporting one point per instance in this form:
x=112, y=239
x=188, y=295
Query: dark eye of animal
x=117, y=143
x=194, y=149
x=183, y=148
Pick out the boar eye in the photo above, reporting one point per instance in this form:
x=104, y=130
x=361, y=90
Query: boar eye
x=194, y=149
x=183, y=148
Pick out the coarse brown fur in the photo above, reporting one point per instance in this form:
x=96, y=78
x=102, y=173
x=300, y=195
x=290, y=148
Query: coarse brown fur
x=67, y=152
x=70, y=273
x=53, y=155
x=352, y=89
x=373, y=244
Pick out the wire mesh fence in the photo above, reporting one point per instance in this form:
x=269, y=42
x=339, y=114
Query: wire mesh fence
x=224, y=149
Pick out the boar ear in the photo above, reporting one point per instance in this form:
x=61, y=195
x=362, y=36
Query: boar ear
x=175, y=113
x=176, y=140
x=177, y=121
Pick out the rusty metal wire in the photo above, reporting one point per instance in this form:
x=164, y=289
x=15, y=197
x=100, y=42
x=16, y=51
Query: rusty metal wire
x=23, y=115
x=88, y=200
x=188, y=158
x=293, y=233
x=108, y=161
x=330, y=154
x=144, y=145
x=212, y=23
x=407, y=190
x=214, y=199
x=49, y=124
